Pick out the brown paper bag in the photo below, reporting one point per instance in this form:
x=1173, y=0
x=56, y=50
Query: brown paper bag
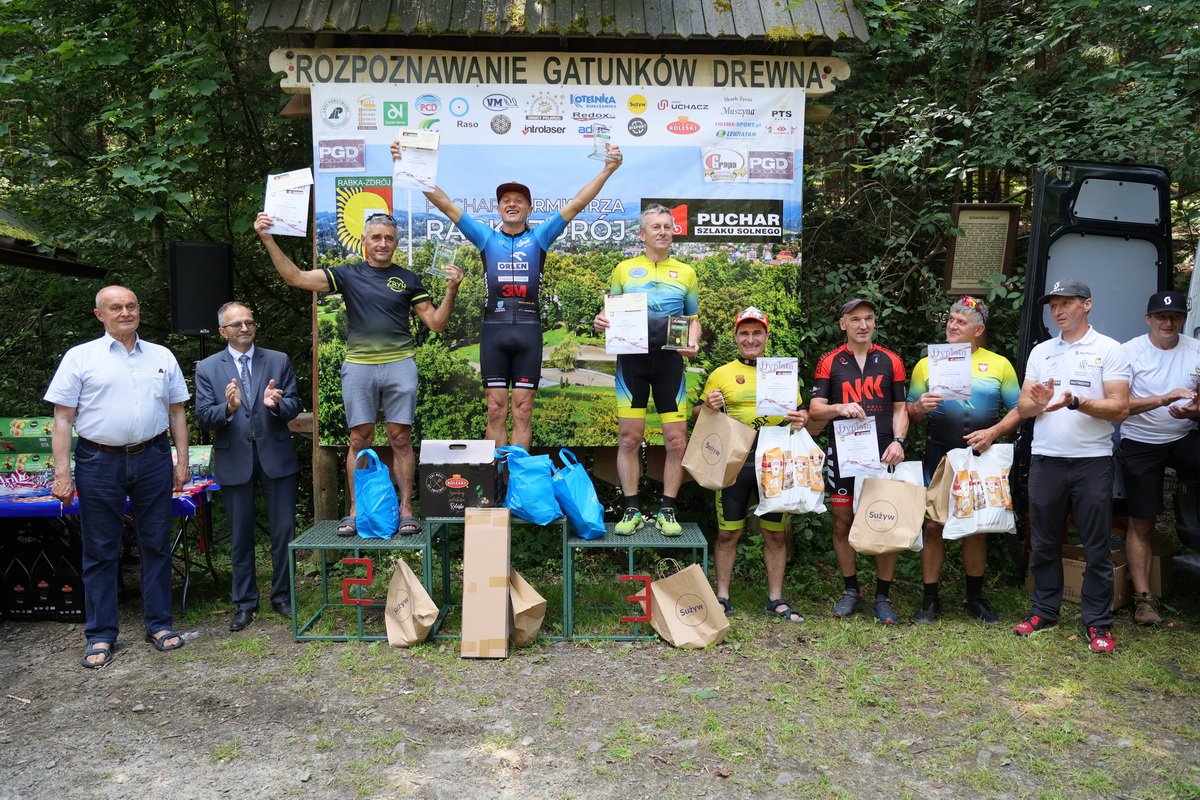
x=410, y=611
x=684, y=610
x=528, y=610
x=889, y=517
x=717, y=449
x=937, y=496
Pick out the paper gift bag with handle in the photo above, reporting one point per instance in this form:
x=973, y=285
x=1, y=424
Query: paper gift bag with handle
x=684, y=610
x=979, y=500
x=410, y=611
x=937, y=496
x=717, y=449
x=889, y=518
x=528, y=610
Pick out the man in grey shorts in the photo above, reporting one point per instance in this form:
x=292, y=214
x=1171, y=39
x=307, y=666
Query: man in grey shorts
x=379, y=367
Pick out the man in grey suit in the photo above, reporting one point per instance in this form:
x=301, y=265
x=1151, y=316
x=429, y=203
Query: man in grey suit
x=247, y=395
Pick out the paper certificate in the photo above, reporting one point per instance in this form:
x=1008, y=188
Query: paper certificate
x=950, y=370
x=417, y=166
x=627, y=325
x=286, y=202
x=778, y=386
x=857, y=447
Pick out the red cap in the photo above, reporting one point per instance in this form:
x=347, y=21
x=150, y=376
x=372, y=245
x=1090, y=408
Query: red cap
x=751, y=313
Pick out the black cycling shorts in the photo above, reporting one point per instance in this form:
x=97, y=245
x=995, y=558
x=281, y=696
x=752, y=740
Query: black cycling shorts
x=510, y=355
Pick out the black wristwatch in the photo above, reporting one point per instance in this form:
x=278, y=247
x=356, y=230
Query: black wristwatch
x=900, y=440
x=1074, y=404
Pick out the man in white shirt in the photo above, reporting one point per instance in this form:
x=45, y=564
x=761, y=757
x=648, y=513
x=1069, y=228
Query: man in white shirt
x=121, y=393
x=1076, y=385
x=1159, y=433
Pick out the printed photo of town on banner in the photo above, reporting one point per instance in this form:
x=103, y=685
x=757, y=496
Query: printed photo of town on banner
x=726, y=163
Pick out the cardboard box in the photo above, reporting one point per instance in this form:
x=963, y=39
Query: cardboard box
x=485, y=583
x=200, y=460
x=1073, y=564
x=457, y=475
x=28, y=463
x=26, y=434
x=1162, y=569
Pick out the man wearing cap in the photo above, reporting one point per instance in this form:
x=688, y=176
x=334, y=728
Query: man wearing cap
x=975, y=423
x=858, y=380
x=672, y=290
x=1076, y=385
x=379, y=367
x=733, y=387
x=510, y=344
x=1159, y=433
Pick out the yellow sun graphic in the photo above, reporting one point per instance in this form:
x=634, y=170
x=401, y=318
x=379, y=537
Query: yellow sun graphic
x=354, y=205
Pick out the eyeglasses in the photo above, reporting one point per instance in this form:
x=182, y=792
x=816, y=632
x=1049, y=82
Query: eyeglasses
x=237, y=326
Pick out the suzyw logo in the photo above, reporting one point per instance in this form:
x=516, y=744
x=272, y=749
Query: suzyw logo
x=691, y=610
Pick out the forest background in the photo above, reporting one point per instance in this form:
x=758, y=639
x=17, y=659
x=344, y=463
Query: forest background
x=130, y=125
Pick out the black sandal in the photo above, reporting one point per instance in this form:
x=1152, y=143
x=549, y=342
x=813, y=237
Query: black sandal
x=726, y=605
x=786, y=614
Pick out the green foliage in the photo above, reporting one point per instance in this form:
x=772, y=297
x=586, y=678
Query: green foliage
x=128, y=126
x=449, y=398
x=966, y=103
x=565, y=353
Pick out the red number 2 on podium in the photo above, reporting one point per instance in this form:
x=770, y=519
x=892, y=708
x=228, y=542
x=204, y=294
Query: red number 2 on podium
x=348, y=582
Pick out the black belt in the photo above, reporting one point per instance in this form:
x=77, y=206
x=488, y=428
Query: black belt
x=127, y=449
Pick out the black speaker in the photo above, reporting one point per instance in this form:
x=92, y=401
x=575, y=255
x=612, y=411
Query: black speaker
x=201, y=282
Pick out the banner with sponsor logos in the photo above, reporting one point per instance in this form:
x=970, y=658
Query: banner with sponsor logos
x=726, y=163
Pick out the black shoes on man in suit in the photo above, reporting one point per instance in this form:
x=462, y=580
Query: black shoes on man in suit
x=243, y=618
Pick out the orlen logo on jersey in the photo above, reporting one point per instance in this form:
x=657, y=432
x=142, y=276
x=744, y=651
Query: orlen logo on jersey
x=512, y=266
x=683, y=125
x=341, y=154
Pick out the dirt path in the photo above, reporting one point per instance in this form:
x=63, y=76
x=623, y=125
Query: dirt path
x=821, y=709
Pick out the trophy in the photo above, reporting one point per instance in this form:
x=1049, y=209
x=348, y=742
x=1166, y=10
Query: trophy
x=443, y=256
x=677, y=334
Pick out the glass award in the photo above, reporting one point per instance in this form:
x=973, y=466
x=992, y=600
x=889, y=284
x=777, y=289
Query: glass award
x=601, y=141
x=677, y=334
x=443, y=256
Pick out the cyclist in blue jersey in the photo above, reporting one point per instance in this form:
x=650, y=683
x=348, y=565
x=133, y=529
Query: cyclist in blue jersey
x=510, y=343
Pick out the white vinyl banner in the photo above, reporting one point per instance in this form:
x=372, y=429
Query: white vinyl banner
x=728, y=163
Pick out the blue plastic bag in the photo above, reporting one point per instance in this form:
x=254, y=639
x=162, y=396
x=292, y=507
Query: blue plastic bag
x=376, y=507
x=576, y=495
x=530, y=494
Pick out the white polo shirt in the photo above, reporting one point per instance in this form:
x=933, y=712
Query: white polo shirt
x=1082, y=367
x=1154, y=372
x=120, y=397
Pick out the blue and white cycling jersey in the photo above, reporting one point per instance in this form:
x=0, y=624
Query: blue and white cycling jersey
x=512, y=266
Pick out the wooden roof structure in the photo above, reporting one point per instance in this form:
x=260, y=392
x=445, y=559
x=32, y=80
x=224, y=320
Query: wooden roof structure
x=768, y=21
